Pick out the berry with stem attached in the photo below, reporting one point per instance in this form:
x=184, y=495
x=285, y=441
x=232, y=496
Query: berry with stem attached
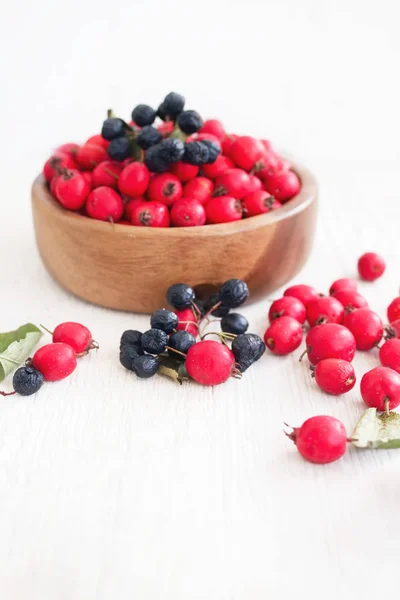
x=145, y=366
x=209, y=362
x=154, y=341
x=223, y=209
x=283, y=336
x=150, y=214
x=389, y=354
x=165, y=188
x=320, y=439
x=366, y=326
x=75, y=335
x=393, y=311
x=219, y=310
x=393, y=330
x=56, y=163
x=380, y=388
x=288, y=306
x=27, y=381
x=247, y=152
x=55, y=361
x=304, y=293
x=330, y=340
x=179, y=343
x=335, y=376
x=134, y=179
x=199, y=189
x=71, y=189
x=89, y=156
x=143, y=115
x=284, y=185
x=234, y=182
x=107, y=173
x=259, y=202
x=371, y=266
x=187, y=321
x=345, y=282
x=180, y=296
x=247, y=348
x=350, y=299
x=234, y=323
x=104, y=204
x=324, y=310
x=164, y=319
x=188, y=213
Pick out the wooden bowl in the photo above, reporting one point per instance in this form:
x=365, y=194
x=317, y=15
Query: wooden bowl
x=130, y=268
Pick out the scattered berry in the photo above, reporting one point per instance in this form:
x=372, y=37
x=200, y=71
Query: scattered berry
x=389, y=354
x=188, y=213
x=371, y=266
x=180, y=342
x=259, y=202
x=189, y=121
x=320, y=439
x=148, y=136
x=143, y=115
x=199, y=189
x=154, y=341
x=223, y=209
x=283, y=335
x=55, y=361
x=180, y=296
x=393, y=311
x=366, y=326
x=325, y=309
x=27, y=381
x=335, y=376
x=150, y=214
x=284, y=185
x=209, y=362
x=164, y=188
x=304, y=293
x=288, y=306
x=134, y=179
x=164, y=319
x=330, y=340
x=247, y=152
x=113, y=128
x=104, y=204
x=350, y=299
x=233, y=293
x=247, y=348
x=145, y=366
x=380, y=388
x=345, y=282
x=75, y=335
x=234, y=323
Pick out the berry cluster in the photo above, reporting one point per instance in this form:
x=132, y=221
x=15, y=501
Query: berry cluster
x=54, y=361
x=177, y=338
x=181, y=172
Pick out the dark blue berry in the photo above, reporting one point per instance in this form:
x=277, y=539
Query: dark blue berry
x=127, y=354
x=154, y=161
x=190, y=121
x=219, y=312
x=162, y=112
x=148, y=136
x=172, y=150
x=233, y=293
x=196, y=153
x=164, y=319
x=143, y=115
x=131, y=336
x=27, y=381
x=145, y=366
x=154, y=341
x=173, y=104
x=180, y=341
x=234, y=323
x=119, y=149
x=180, y=296
x=113, y=128
x=214, y=150
x=247, y=348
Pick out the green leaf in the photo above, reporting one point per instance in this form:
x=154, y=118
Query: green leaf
x=174, y=369
x=178, y=133
x=377, y=431
x=16, y=346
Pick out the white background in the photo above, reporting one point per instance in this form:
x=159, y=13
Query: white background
x=112, y=487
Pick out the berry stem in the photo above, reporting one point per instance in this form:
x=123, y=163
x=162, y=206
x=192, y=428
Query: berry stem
x=303, y=355
x=45, y=328
x=94, y=345
x=7, y=393
x=387, y=404
x=111, y=173
x=177, y=351
x=211, y=311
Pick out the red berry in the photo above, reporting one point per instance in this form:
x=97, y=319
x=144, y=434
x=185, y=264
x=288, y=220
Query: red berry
x=199, y=189
x=184, y=171
x=104, y=204
x=90, y=155
x=330, y=340
x=217, y=168
x=283, y=335
x=320, y=439
x=270, y=166
x=107, y=173
x=150, y=214
x=215, y=127
x=235, y=183
x=71, y=189
x=164, y=188
x=70, y=148
x=209, y=362
x=187, y=321
x=304, y=293
x=98, y=140
x=255, y=184
x=227, y=142
x=166, y=127
x=75, y=335
x=389, y=354
x=339, y=284
x=267, y=145
x=130, y=206
x=324, y=310
x=335, y=376
x=284, y=185
x=246, y=152
x=134, y=179
x=380, y=388
x=55, y=361
x=371, y=266
x=87, y=175
x=350, y=299
x=393, y=330
x=188, y=213
x=393, y=311
x=366, y=326
x=259, y=202
x=57, y=162
x=288, y=306
x=223, y=209
x=53, y=186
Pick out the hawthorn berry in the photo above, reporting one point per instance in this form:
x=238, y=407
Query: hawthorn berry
x=380, y=388
x=154, y=341
x=259, y=202
x=325, y=309
x=196, y=153
x=104, y=204
x=145, y=366
x=56, y=163
x=247, y=152
x=187, y=321
x=113, y=128
x=234, y=323
x=107, y=173
x=172, y=104
x=183, y=171
x=288, y=306
x=219, y=167
x=371, y=266
x=180, y=296
x=304, y=293
x=148, y=136
x=330, y=340
x=164, y=319
x=345, y=282
x=234, y=182
x=134, y=179
x=284, y=185
x=71, y=189
x=127, y=354
x=320, y=439
x=366, y=326
x=350, y=299
x=247, y=349
x=393, y=311
x=209, y=362
x=393, y=330
x=27, y=381
x=188, y=213
x=165, y=188
x=143, y=115
x=89, y=156
x=150, y=214
x=75, y=335
x=284, y=335
x=223, y=209
x=389, y=354
x=270, y=166
x=335, y=376
x=255, y=185
x=130, y=207
x=180, y=342
x=166, y=128
x=55, y=361
x=98, y=140
x=119, y=149
x=69, y=148
x=214, y=127
x=199, y=189
x=189, y=121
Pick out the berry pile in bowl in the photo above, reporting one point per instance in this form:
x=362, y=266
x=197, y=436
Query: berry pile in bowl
x=172, y=193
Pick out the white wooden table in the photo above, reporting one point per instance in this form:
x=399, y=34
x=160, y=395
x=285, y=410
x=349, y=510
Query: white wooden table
x=111, y=487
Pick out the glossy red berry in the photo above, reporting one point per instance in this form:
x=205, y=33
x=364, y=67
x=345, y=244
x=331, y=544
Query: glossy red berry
x=223, y=209
x=209, y=362
x=53, y=186
x=217, y=168
x=75, y=335
x=389, y=354
x=55, y=361
x=304, y=293
x=57, y=162
x=200, y=189
x=325, y=309
x=393, y=311
x=70, y=148
x=321, y=439
x=393, y=330
x=98, y=140
x=104, y=204
x=339, y=284
x=187, y=321
x=134, y=179
x=227, y=142
x=380, y=388
x=255, y=184
x=89, y=156
x=184, y=171
x=87, y=175
x=259, y=202
x=366, y=326
x=350, y=299
x=107, y=173
x=235, y=183
x=215, y=127
x=246, y=152
x=131, y=205
x=284, y=185
x=270, y=166
x=150, y=214
x=188, y=213
x=330, y=340
x=335, y=376
x=371, y=266
x=165, y=188
x=71, y=189
x=288, y=306
x=283, y=335
x=165, y=128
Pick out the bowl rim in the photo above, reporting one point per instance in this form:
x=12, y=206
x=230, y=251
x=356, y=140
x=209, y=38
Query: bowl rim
x=297, y=204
